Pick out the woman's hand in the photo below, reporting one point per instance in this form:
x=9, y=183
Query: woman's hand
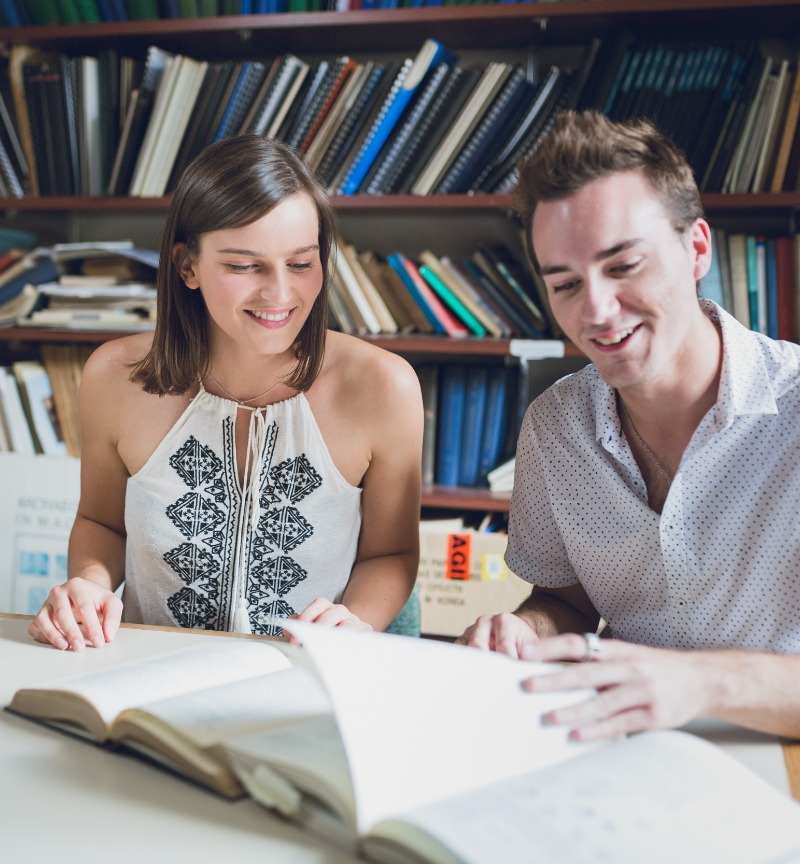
x=322, y=611
x=77, y=612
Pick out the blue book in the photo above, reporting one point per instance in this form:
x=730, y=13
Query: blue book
x=494, y=425
x=250, y=77
x=752, y=282
x=120, y=12
x=772, y=288
x=472, y=431
x=711, y=286
x=408, y=83
x=13, y=14
x=452, y=386
x=247, y=7
x=26, y=272
x=396, y=262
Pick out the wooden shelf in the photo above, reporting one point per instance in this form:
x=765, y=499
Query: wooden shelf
x=462, y=27
x=719, y=202
x=460, y=498
x=408, y=344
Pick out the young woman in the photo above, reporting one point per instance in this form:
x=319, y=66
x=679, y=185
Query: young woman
x=242, y=464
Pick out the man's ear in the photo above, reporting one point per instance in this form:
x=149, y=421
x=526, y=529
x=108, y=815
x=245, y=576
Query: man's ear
x=183, y=263
x=701, y=247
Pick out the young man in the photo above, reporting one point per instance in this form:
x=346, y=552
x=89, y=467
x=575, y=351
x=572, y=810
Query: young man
x=659, y=487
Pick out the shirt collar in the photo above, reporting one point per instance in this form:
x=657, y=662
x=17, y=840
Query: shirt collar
x=744, y=385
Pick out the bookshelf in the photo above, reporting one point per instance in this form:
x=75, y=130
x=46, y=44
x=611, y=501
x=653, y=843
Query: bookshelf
x=522, y=30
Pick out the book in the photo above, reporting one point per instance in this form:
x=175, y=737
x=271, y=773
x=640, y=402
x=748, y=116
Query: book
x=433, y=126
x=404, y=308
x=164, y=707
x=451, y=300
x=429, y=386
x=431, y=305
x=507, y=276
x=494, y=425
x=64, y=364
x=494, y=127
x=774, y=115
x=475, y=392
x=463, y=291
x=32, y=269
x=350, y=283
x=249, y=79
x=429, y=55
x=385, y=165
x=788, y=133
x=166, y=143
x=489, y=84
x=37, y=399
x=737, y=256
x=786, y=280
x=449, y=432
x=371, y=293
x=341, y=71
x=16, y=423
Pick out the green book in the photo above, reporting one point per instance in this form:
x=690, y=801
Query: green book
x=230, y=7
x=451, y=301
x=88, y=11
x=44, y=12
x=207, y=8
x=69, y=12
x=142, y=10
x=189, y=8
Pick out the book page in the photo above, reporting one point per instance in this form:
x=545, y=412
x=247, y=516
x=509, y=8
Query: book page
x=187, y=670
x=423, y=720
x=659, y=797
x=216, y=715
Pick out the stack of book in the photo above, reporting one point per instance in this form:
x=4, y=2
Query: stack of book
x=108, y=124
x=756, y=278
x=469, y=426
x=488, y=293
x=96, y=286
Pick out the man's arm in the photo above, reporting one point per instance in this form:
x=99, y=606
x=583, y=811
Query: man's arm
x=654, y=688
x=547, y=612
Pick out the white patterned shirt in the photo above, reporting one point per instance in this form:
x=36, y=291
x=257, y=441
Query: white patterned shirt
x=720, y=567
x=197, y=542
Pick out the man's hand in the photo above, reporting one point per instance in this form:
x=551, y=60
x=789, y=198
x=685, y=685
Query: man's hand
x=638, y=687
x=77, y=611
x=322, y=611
x=506, y=633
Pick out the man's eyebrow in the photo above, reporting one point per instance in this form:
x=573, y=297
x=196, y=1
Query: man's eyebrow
x=600, y=256
x=301, y=250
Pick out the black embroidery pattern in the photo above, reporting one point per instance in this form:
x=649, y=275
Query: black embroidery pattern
x=208, y=514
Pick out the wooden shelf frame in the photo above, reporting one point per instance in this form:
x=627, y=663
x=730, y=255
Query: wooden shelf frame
x=464, y=27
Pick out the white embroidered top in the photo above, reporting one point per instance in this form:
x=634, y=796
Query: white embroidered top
x=198, y=545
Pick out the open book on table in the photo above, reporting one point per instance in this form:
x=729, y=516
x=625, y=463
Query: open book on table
x=417, y=751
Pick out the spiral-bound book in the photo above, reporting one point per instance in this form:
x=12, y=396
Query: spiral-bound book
x=431, y=53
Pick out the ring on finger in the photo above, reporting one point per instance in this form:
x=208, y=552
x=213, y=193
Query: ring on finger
x=593, y=647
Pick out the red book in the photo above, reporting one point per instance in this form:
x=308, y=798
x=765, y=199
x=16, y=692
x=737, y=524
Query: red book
x=452, y=326
x=787, y=288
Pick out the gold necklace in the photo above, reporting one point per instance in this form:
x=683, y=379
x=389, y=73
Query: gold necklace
x=653, y=458
x=245, y=401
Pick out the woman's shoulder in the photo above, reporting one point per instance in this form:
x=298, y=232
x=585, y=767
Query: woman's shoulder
x=358, y=363
x=111, y=362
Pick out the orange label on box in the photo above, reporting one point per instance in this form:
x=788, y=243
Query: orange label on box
x=458, y=556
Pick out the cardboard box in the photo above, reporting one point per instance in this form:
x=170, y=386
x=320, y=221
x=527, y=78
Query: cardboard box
x=461, y=576
x=38, y=502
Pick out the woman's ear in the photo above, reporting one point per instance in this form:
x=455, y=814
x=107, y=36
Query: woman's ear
x=183, y=263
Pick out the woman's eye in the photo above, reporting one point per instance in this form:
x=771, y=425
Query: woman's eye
x=301, y=265
x=240, y=268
